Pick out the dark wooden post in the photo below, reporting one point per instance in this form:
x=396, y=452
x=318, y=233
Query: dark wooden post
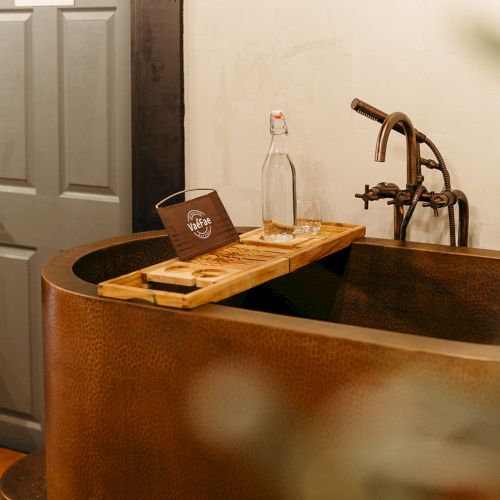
x=157, y=107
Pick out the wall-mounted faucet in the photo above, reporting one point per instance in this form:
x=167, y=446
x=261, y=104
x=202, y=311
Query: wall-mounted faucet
x=415, y=190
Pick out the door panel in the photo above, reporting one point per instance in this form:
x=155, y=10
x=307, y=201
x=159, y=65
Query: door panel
x=15, y=388
x=15, y=98
x=87, y=88
x=64, y=171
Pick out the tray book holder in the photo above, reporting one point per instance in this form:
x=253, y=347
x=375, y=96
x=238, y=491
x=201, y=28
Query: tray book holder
x=198, y=225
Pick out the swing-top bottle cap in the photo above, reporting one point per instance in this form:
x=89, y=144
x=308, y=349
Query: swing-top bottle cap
x=277, y=122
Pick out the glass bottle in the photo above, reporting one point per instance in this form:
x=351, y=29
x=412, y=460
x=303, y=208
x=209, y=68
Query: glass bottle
x=278, y=185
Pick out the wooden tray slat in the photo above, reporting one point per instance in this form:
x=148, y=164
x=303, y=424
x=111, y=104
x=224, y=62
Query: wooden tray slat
x=228, y=270
x=331, y=239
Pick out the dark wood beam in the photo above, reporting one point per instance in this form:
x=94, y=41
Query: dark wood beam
x=157, y=107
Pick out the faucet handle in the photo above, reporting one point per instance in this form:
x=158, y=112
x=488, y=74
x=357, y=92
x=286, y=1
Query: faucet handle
x=436, y=201
x=401, y=198
x=367, y=196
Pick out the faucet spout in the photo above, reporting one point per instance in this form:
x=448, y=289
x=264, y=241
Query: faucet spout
x=413, y=172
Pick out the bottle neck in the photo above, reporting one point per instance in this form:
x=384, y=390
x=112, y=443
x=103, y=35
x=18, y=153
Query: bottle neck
x=278, y=143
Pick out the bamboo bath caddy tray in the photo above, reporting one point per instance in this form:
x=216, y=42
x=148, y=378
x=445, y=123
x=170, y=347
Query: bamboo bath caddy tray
x=228, y=270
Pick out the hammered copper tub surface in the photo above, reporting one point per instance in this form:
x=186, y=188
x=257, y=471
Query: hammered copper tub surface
x=225, y=402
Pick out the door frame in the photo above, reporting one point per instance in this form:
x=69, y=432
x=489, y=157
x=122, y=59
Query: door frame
x=157, y=107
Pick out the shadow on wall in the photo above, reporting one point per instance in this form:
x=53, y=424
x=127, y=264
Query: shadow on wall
x=484, y=39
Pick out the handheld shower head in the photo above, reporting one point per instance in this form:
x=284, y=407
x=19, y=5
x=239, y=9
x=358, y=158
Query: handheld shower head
x=365, y=109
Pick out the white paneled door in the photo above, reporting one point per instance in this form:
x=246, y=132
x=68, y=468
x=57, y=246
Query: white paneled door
x=64, y=170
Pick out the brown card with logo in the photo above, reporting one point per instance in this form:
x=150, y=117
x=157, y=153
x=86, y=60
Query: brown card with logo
x=197, y=226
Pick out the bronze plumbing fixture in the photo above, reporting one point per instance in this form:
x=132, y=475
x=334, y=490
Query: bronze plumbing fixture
x=415, y=191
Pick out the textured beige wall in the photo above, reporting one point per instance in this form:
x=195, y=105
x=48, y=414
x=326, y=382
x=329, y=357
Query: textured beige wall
x=425, y=58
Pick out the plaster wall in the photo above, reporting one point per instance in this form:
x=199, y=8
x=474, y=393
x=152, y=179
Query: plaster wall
x=439, y=62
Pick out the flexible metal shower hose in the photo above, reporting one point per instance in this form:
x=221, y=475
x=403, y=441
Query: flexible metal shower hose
x=447, y=186
x=416, y=197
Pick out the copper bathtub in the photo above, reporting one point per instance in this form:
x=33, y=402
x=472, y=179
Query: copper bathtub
x=373, y=373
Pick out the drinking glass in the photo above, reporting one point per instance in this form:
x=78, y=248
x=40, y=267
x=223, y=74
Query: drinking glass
x=308, y=216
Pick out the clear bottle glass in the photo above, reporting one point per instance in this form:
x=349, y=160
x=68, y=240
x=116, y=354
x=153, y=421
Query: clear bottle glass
x=278, y=185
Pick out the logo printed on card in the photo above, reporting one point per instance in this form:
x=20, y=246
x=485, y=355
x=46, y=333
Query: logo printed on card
x=199, y=224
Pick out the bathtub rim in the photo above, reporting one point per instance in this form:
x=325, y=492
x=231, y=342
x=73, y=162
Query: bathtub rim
x=58, y=273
